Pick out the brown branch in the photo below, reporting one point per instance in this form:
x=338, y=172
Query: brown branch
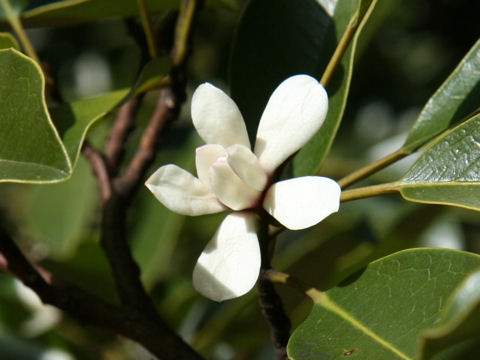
x=115, y=147
x=166, y=111
x=100, y=170
x=89, y=309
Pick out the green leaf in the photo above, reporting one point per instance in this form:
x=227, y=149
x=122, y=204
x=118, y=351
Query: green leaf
x=31, y=149
x=453, y=101
x=34, y=148
x=73, y=120
x=310, y=158
x=152, y=74
x=8, y=41
x=459, y=320
x=16, y=7
x=78, y=11
x=275, y=39
x=449, y=170
x=380, y=312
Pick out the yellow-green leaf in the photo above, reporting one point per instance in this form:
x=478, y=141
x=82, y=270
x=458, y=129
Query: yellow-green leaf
x=8, y=41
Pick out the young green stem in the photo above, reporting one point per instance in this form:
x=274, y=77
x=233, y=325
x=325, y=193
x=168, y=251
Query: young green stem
x=369, y=191
x=340, y=50
x=19, y=30
x=148, y=29
x=371, y=169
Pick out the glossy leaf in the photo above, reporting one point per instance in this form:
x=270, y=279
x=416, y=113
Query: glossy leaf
x=456, y=98
x=310, y=158
x=31, y=149
x=449, y=170
x=379, y=313
x=73, y=120
x=77, y=11
x=8, y=41
x=459, y=320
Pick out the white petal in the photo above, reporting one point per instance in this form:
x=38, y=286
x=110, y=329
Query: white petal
x=302, y=202
x=206, y=156
x=246, y=166
x=181, y=192
x=217, y=118
x=230, y=189
x=230, y=264
x=294, y=113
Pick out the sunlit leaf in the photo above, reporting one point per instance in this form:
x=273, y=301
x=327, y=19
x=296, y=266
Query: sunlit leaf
x=8, y=41
x=310, y=158
x=456, y=98
x=459, y=320
x=379, y=313
x=449, y=170
x=30, y=147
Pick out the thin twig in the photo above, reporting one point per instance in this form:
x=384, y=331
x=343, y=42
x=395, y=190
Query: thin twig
x=100, y=170
x=371, y=169
x=115, y=147
x=148, y=29
x=19, y=30
x=89, y=309
x=166, y=111
x=370, y=191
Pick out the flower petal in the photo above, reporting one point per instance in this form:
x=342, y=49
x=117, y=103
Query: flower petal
x=294, y=113
x=217, y=118
x=302, y=202
x=181, y=192
x=245, y=164
x=230, y=189
x=230, y=264
x=206, y=156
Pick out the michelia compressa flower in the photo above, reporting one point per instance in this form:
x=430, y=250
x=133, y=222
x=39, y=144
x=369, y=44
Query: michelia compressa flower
x=231, y=176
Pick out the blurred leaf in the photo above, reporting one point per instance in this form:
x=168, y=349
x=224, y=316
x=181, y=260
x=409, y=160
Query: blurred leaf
x=449, y=170
x=380, y=312
x=310, y=158
x=70, y=12
x=155, y=237
x=31, y=149
x=87, y=268
x=459, y=319
x=453, y=101
x=57, y=215
x=8, y=41
x=275, y=39
x=152, y=74
x=17, y=6
x=73, y=120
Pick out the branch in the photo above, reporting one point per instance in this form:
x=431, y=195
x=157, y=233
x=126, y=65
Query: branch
x=167, y=110
x=115, y=147
x=99, y=168
x=132, y=323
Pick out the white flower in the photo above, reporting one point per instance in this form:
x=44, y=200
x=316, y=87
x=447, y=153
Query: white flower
x=231, y=176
